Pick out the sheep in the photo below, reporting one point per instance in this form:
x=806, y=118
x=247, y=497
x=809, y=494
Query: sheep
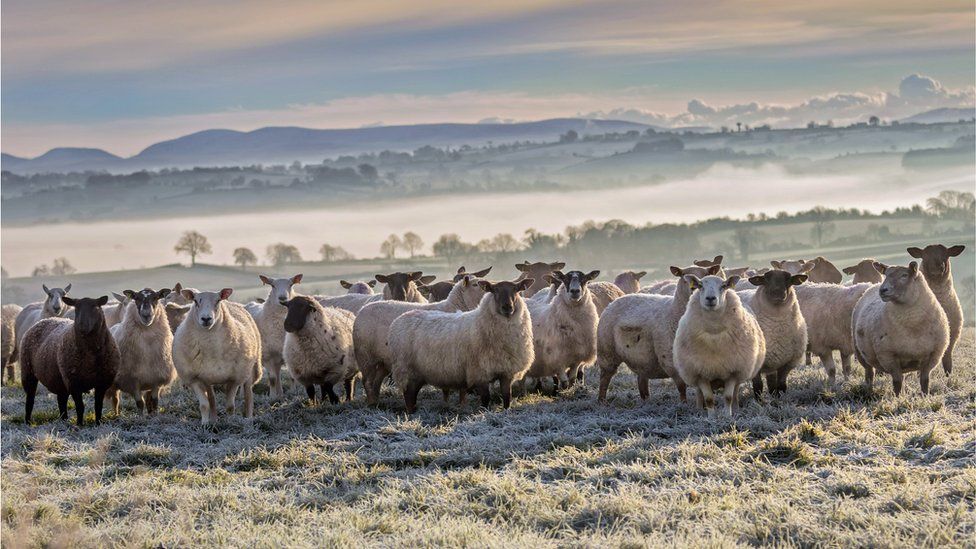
x=564, y=329
x=371, y=330
x=899, y=326
x=865, y=271
x=719, y=344
x=175, y=315
x=70, y=358
x=464, y=350
x=8, y=349
x=318, y=347
x=629, y=281
x=537, y=272
x=819, y=269
x=145, y=344
x=270, y=317
x=218, y=344
x=439, y=291
x=717, y=260
x=52, y=306
x=827, y=309
x=360, y=287
x=775, y=307
x=546, y=296
x=638, y=329
x=604, y=293
x=938, y=274
x=399, y=287
x=654, y=288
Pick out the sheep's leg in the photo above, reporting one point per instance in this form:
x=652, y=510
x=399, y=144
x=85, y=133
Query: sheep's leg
x=642, y=386
x=897, y=378
x=572, y=375
x=735, y=399
x=99, y=402
x=682, y=391
x=829, y=366
x=349, y=385
x=153, y=399
x=699, y=399
x=923, y=380
x=730, y=393
x=705, y=388
x=410, y=391
x=607, y=371
x=563, y=378
x=248, y=399
x=230, y=397
x=463, y=397
x=484, y=391
x=63, y=406
x=4, y=368
x=113, y=394
x=212, y=400
x=757, y=386
x=310, y=391
x=809, y=357
x=506, y=386
x=868, y=376
x=206, y=400
x=581, y=375
x=447, y=395
x=140, y=404
x=772, y=383
x=946, y=359
x=329, y=391
x=374, y=384
x=79, y=399
x=274, y=379
x=845, y=365
x=30, y=387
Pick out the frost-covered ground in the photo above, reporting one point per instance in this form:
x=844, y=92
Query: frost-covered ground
x=820, y=467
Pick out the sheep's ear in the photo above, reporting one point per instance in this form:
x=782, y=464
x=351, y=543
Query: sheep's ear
x=45, y=288
x=879, y=266
x=460, y=270
x=592, y=275
x=915, y=252
x=849, y=270
x=714, y=269
x=188, y=293
x=371, y=283
x=639, y=275
x=557, y=265
x=264, y=279
x=955, y=250
x=796, y=280
x=525, y=284
x=416, y=275
x=297, y=279
x=345, y=284
x=163, y=292
x=718, y=259
x=913, y=267
x=178, y=288
x=676, y=271
x=482, y=273
x=288, y=302
x=757, y=280
x=808, y=266
x=731, y=281
x=485, y=285
x=522, y=267
x=70, y=301
x=427, y=279
x=559, y=276
x=128, y=294
x=225, y=293
x=382, y=278
x=693, y=281
x=776, y=264
x=424, y=290
x=67, y=288
x=101, y=301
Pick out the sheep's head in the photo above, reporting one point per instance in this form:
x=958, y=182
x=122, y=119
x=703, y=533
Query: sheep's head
x=629, y=281
x=575, y=283
x=799, y=266
x=469, y=291
x=538, y=270
x=935, y=259
x=206, y=305
x=364, y=287
x=717, y=260
x=299, y=307
x=865, y=271
x=711, y=290
x=900, y=284
x=281, y=288
x=88, y=313
x=506, y=294
x=55, y=299
x=777, y=284
x=398, y=283
x=461, y=272
x=145, y=303
x=699, y=272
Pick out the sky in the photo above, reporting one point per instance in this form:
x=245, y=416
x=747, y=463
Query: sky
x=123, y=74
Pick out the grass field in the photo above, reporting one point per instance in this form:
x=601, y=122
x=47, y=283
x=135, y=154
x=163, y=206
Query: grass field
x=823, y=466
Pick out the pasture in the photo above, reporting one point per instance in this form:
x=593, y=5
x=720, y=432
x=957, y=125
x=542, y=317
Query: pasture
x=821, y=466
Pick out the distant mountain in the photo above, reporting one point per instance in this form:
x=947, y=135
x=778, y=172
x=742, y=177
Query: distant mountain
x=940, y=115
x=287, y=144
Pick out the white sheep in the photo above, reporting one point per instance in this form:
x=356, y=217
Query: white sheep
x=218, y=344
x=564, y=329
x=464, y=350
x=52, y=306
x=629, y=281
x=775, y=307
x=145, y=344
x=865, y=271
x=270, y=317
x=638, y=329
x=937, y=271
x=719, y=344
x=372, y=327
x=899, y=327
x=827, y=311
x=604, y=293
x=318, y=347
x=8, y=340
x=360, y=287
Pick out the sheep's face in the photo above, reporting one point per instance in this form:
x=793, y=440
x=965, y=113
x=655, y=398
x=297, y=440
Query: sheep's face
x=207, y=311
x=575, y=282
x=698, y=272
x=176, y=297
x=629, y=281
x=935, y=258
x=281, y=288
x=299, y=308
x=55, y=299
x=145, y=303
x=398, y=283
x=900, y=284
x=479, y=274
x=505, y=295
x=88, y=313
x=799, y=266
x=717, y=260
x=437, y=291
x=867, y=270
x=470, y=290
x=360, y=287
x=538, y=271
x=711, y=290
x=777, y=284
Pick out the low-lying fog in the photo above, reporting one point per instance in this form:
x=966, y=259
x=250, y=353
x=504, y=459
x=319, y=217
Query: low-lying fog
x=722, y=191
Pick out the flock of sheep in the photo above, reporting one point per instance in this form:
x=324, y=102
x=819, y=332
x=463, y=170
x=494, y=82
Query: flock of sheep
x=708, y=327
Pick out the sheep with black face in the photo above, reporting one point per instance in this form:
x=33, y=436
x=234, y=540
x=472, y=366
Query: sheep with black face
x=319, y=347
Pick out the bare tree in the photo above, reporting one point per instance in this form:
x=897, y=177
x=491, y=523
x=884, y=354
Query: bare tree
x=244, y=257
x=331, y=253
x=389, y=246
x=281, y=254
x=41, y=270
x=822, y=226
x=412, y=242
x=449, y=246
x=193, y=244
x=62, y=267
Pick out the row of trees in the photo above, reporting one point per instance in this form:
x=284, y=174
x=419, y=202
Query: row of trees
x=193, y=244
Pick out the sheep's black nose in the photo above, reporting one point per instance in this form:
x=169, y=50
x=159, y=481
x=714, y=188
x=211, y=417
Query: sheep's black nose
x=710, y=300
x=206, y=320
